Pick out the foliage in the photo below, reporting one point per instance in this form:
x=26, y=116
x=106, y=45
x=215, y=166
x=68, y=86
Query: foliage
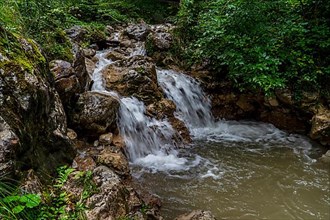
x=57, y=203
x=15, y=204
x=46, y=20
x=61, y=204
x=261, y=44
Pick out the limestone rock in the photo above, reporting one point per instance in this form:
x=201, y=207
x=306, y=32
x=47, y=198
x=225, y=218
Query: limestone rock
x=135, y=76
x=138, y=31
x=30, y=108
x=197, y=215
x=95, y=113
x=89, y=52
x=114, y=55
x=111, y=200
x=114, y=159
x=9, y=142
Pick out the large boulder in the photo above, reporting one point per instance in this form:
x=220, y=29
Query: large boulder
x=95, y=113
x=135, y=76
x=32, y=120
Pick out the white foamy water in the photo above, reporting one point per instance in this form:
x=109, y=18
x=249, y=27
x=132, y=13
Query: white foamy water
x=150, y=143
x=192, y=106
x=194, y=109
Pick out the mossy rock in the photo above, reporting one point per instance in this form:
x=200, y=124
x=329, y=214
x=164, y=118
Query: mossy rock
x=30, y=106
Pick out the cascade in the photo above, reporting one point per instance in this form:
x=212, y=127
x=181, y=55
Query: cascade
x=149, y=142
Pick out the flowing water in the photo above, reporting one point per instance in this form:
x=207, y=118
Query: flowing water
x=237, y=170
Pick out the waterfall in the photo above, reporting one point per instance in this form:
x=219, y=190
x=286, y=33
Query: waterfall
x=150, y=143
x=192, y=105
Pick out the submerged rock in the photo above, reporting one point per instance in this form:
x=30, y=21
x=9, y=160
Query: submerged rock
x=197, y=215
x=326, y=157
x=33, y=121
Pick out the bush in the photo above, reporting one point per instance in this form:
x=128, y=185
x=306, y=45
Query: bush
x=262, y=44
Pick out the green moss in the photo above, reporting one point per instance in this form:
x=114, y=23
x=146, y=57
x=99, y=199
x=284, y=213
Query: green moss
x=18, y=57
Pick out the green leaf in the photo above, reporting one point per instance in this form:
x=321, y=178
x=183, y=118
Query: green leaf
x=18, y=209
x=31, y=200
x=10, y=199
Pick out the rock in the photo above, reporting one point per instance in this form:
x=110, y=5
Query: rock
x=61, y=69
x=271, y=101
x=9, y=143
x=160, y=41
x=114, y=55
x=67, y=88
x=135, y=76
x=95, y=113
x=326, y=157
x=115, y=160
x=138, y=31
x=89, y=53
x=83, y=163
x=31, y=110
x=321, y=126
x=90, y=66
x=111, y=200
x=197, y=215
x=80, y=69
x=106, y=139
x=245, y=104
x=118, y=142
x=285, y=96
x=72, y=135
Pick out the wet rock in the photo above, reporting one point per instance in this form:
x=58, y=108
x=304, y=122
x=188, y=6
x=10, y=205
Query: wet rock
x=136, y=77
x=321, y=126
x=197, y=215
x=95, y=113
x=118, y=141
x=114, y=159
x=138, y=31
x=31, y=108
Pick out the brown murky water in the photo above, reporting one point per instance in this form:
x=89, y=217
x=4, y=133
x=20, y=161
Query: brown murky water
x=245, y=181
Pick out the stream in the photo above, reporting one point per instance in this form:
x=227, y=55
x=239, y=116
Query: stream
x=237, y=170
